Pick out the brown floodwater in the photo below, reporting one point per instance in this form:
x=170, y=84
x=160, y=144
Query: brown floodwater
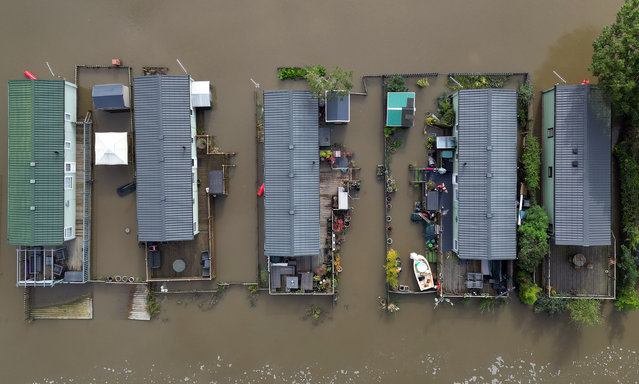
x=234, y=341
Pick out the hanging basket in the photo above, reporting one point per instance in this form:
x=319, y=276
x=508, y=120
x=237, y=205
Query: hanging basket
x=389, y=241
x=388, y=219
x=201, y=143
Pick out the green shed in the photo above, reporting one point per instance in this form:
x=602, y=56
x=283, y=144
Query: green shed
x=400, y=109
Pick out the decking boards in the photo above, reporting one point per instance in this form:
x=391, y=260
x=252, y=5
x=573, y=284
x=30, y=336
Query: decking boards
x=569, y=281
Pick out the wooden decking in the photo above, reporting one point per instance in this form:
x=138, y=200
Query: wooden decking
x=80, y=309
x=594, y=279
x=453, y=273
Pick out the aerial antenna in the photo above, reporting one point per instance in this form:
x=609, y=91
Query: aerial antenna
x=455, y=81
x=51, y=70
x=257, y=85
x=560, y=78
x=184, y=69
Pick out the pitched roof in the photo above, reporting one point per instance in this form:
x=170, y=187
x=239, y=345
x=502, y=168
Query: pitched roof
x=582, y=166
x=487, y=177
x=291, y=174
x=36, y=162
x=163, y=158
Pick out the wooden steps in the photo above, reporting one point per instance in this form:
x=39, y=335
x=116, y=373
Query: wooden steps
x=80, y=309
x=137, y=303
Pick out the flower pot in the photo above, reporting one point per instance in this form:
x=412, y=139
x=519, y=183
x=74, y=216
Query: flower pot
x=388, y=219
x=389, y=241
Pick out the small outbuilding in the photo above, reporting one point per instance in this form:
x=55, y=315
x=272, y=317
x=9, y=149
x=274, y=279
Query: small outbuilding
x=338, y=107
x=201, y=94
x=400, y=109
x=111, y=148
x=111, y=97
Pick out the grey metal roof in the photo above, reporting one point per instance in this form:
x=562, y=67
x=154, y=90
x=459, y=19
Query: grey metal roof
x=582, y=166
x=291, y=174
x=487, y=178
x=216, y=182
x=338, y=107
x=163, y=158
x=109, y=96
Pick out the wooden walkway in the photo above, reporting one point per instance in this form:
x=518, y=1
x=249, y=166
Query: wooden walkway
x=74, y=247
x=137, y=303
x=594, y=279
x=80, y=309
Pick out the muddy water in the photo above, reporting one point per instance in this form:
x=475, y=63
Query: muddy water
x=232, y=341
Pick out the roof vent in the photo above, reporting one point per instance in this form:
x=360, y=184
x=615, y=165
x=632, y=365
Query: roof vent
x=291, y=146
x=32, y=181
x=32, y=163
x=163, y=198
x=489, y=215
x=489, y=148
x=161, y=137
x=291, y=212
x=575, y=150
x=575, y=163
x=291, y=175
x=489, y=175
x=162, y=159
x=32, y=208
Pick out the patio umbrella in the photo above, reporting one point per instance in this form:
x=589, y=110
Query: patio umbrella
x=111, y=148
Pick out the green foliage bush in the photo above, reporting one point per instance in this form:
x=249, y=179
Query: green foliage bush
x=446, y=111
x=319, y=82
x=423, y=82
x=528, y=290
x=585, y=312
x=531, y=162
x=550, y=305
x=391, y=268
x=291, y=73
x=477, y=82
x=625, y=152
x=533, y=239
x=627, y=299
x=627, y=268
x=396, y=84
x=616, y=63
x=525, y=95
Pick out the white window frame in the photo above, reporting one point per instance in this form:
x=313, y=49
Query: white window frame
x=195, y=227
x=66, y=178
x=70, y=232
x=67, y=116
x=456, y=192
x=69, y=167
x=455, y=245
x=67, y=145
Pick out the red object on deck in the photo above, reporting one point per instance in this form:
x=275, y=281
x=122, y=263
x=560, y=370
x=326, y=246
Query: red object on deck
x=587, y=81
x=260, y=191
x=30, y=75
x=116, y=62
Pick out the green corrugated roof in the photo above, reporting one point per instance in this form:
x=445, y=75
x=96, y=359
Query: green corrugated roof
x=36, y=134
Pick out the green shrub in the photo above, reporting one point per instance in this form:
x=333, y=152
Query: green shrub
x=391, y=268
x=627, y=299
x=533, y=239
x=627, y=268
x=477, y=82
x=319, y=82
x=585, y=312
x=625, y=152
x=615, y=61
x=396, y=84
x=531, y=162
x=528, y=290
x=446, y=111
x=291, y=73
x=152, y=306
x=550, y=305
x=525, y=94
x=389, y=131
x=423, y=82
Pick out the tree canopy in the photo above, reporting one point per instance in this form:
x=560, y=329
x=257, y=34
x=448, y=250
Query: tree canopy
x=616, y=61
